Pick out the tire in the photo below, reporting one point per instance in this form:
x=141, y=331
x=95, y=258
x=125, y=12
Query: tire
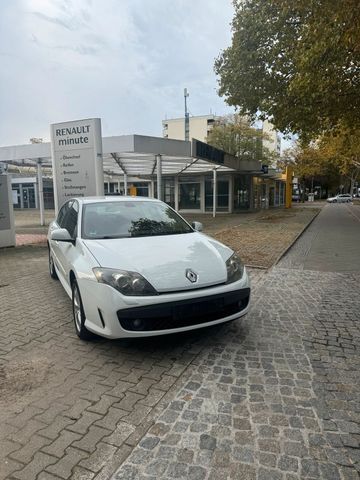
x=78, y=314
x=52, y=270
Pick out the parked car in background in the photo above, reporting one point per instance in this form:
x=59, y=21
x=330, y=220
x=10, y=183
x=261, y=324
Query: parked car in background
x=134, y=267
x=341, y=198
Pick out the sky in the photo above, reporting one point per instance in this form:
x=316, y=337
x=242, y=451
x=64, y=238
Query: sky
x=125, y=61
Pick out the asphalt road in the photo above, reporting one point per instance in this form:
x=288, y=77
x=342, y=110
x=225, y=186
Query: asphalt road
x=330, y=244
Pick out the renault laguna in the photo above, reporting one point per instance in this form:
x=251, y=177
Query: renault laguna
x=133, y=267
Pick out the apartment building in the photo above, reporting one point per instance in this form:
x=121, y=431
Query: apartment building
x=201, y=125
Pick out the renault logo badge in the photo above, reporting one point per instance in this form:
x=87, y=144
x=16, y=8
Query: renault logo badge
x=191, y=275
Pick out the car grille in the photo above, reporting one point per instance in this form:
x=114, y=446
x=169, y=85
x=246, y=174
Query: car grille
x=184, y=313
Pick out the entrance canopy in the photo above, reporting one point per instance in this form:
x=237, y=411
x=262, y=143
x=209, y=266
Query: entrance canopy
x=134, y=155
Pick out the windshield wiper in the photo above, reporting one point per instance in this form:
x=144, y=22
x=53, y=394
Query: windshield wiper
x=108, y=237
x=158, y=234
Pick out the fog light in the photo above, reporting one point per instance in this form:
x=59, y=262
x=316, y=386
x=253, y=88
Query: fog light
x=138, y=323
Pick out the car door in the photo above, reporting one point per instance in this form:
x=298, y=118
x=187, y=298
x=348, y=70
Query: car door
x=67, y=250
x=54, y=245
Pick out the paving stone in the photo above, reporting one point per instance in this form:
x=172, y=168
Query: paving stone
x=196, y=473
x=288, y=464
x=207, y=442
x=149, y=442
x=64, y=466
x=58, y=447
x=177, y=470
x=243, y=471
x=39, y=462
x=267, y=474
x=25, y=454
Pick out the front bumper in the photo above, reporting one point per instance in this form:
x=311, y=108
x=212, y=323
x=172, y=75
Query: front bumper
x=184, y=313
x=112, y=315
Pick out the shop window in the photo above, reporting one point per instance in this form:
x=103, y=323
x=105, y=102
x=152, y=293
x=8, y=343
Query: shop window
x=222, y=195
x=189, y=196
x=242, y=192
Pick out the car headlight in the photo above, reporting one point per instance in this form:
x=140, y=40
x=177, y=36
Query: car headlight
x=127, y=283
x=235, y=268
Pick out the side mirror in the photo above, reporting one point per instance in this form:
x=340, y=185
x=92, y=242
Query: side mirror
x=61, y=235
x=197, y=226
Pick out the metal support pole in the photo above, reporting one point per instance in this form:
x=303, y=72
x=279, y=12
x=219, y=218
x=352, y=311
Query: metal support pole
x=176, y=192
x=158, y=176
x=125, y=184
x=214, y=192
x=40, y=192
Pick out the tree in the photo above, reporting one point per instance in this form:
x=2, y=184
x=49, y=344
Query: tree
x=295, y=61
x=235, y=135
x=312, y=166
x=341, y=148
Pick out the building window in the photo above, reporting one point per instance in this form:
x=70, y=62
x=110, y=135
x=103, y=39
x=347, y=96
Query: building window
x=241, y=192
x=189, y=196
x=142, y=189
x=169, y=191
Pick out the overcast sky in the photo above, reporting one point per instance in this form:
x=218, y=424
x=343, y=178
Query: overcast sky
x=125, y=61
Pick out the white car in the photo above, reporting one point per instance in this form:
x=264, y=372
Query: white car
x=134, y=267
x=342, y=198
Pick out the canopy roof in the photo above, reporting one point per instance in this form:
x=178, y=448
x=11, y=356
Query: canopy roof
x=134, y=155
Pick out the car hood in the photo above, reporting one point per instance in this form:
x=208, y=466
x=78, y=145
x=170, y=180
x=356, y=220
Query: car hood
x=163, y=260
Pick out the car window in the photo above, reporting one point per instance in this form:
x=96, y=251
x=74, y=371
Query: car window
x=61, y=214
x=130, y=219
x=71, y=218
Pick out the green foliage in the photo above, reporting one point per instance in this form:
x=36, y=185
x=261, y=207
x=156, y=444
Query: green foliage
x=341, y=148
x=296, y=61
x=236, y=136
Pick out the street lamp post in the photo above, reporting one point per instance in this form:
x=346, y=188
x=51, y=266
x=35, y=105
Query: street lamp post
x=187, y=120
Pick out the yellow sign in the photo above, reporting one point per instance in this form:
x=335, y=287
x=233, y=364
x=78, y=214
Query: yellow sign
x=133, y=191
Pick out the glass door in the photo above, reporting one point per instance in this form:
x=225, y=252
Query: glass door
x=222, y=195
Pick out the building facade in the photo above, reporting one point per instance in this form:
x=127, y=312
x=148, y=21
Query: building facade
x=199, y=127
x=273, y=140
x=133, y=164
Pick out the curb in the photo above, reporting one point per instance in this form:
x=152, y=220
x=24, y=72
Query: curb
x=284, y=252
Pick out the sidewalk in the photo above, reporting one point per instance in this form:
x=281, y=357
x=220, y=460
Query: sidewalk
x=259, y=238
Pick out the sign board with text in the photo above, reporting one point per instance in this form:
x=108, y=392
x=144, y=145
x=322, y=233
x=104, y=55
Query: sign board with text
x=7, y=229
x=76, y=150
x=207, y=152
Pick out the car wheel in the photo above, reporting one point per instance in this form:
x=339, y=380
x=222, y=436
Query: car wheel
x=52, y=270
x=79, y=315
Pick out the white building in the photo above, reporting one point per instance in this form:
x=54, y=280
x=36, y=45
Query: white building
x=201, y=125
x=273, y=142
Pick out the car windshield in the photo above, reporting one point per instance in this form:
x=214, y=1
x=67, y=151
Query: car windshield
x=138, y=218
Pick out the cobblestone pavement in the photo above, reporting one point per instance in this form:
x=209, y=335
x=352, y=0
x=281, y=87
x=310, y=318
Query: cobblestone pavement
x=72, y=409
x=275, y=396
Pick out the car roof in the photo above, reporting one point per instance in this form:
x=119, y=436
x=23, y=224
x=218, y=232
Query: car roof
x=114, y=198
